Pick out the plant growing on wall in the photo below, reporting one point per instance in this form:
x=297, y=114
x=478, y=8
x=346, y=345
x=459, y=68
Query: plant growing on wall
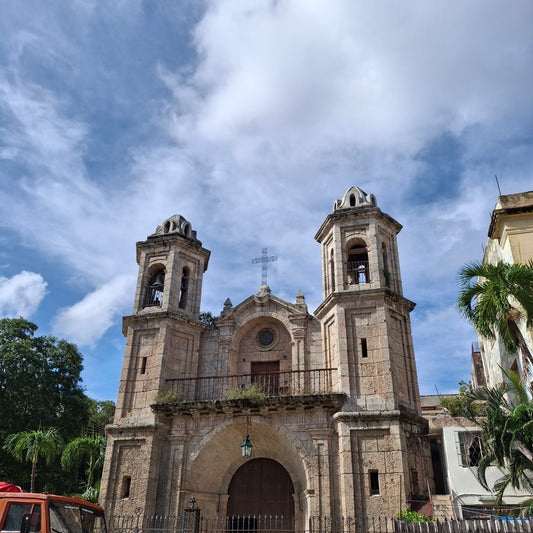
x=250, y=392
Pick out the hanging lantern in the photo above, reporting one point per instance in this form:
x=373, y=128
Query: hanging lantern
x=246, y=447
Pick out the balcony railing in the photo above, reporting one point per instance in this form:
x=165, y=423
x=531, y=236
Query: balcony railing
x=153, y=296
x=358, y=272
x=273, y=384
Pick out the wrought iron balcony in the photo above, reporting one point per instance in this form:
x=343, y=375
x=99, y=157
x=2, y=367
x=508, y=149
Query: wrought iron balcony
x=253, y=386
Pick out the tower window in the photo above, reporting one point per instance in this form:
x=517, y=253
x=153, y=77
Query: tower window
x=358, y=271
x=332, y=272
x=364, y=348
x=386, y=271
x=126, y=486
x=184, y=288
x=154, y=290
x=373, y=480
x=143, y=365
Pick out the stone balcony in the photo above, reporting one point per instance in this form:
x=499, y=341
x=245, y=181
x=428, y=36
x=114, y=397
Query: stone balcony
x=269, y=391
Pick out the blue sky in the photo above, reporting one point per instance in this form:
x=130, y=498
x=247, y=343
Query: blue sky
x=250, y=119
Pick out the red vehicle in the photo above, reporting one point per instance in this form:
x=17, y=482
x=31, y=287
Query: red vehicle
x=24, y=512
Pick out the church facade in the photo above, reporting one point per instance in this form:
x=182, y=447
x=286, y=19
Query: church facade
x=328, y=401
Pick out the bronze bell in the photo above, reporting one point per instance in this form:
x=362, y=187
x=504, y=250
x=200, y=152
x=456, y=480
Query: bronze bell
x=159, y=279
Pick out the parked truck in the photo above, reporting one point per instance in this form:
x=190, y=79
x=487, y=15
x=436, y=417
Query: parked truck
x=24, y=512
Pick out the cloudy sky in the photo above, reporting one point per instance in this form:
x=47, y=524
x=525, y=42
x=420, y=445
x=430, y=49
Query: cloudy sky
x=250, y=118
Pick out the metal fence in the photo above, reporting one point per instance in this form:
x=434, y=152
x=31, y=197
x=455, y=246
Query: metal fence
x=191, y=521
x=272, y=384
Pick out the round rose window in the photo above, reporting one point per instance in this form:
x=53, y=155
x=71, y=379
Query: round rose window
x=266, y=337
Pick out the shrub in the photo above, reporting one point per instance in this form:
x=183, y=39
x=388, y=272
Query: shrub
x=167, y=396
x=250, y=392
x=408, y=515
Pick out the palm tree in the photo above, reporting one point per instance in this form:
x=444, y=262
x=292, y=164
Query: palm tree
x=91, y=452
x=31, y=445
x=493, y=298
x=505, y=416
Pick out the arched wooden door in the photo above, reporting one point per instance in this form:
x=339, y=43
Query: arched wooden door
x=262, y=487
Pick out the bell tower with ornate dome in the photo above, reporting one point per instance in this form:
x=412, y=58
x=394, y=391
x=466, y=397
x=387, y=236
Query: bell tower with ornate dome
x=366, y=335
x=365, y=317
x=163, y=332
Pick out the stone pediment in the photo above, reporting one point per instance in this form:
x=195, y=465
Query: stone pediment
x=264, y=304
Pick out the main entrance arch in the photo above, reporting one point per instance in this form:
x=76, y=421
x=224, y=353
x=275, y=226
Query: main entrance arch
x=261, y=487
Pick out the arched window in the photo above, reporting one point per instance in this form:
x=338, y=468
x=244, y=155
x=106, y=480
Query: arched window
x=154, y=290
x=386, y=271
x=358, y=271
x=184, y=288
x=332, y=272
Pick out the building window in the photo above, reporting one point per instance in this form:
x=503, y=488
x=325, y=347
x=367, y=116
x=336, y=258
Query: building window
x=332, y=272
x=266, y=337
x=184, y=288
x=373, y=480
x=126, y=486
x=358, y=271
x=143, y=365
x=470, y=448
x=154, y=290
x=364, y=348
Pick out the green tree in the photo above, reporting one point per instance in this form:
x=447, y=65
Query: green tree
x=40, y=386
x=88, y=452
x=29, y=446
x=505, y=416
x=493, y=298
x=101, y=413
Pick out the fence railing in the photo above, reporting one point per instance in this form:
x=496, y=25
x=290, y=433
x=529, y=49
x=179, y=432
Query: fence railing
x=272, y=384
x=358, y=272
x=191, y=521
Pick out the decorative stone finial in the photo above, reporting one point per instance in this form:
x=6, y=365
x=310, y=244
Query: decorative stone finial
x=176, y=224
x=263, y=290
x=355, y=197
x=300, y=300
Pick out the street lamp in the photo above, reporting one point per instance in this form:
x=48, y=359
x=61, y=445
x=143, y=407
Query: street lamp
x=246, y=447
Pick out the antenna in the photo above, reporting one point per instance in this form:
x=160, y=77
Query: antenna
x=498, y=184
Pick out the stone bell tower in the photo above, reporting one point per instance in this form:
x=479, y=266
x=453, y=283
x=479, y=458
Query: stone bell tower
x=367, y=338
x=163, y=333
x=366, y=319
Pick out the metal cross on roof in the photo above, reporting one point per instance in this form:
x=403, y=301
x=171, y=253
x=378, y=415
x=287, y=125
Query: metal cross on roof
x=264, y=259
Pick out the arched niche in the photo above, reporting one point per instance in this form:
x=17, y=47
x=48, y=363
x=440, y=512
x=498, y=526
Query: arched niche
x=218, y=457
x=261, y=345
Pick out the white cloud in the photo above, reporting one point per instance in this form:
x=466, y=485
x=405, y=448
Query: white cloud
x=85, y=322
x=302, y=76
x=286, y=105
x=21, y=294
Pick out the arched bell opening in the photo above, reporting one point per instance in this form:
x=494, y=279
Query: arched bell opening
x=153, y=295
x=357, y=268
